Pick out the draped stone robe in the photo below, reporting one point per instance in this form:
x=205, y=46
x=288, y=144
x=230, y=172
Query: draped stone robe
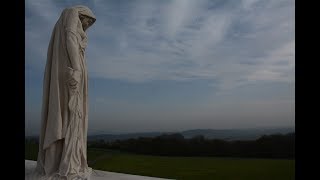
x=64, y=119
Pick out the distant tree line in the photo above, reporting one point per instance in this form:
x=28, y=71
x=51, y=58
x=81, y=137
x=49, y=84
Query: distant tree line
x=31, y=141
x=267, y=146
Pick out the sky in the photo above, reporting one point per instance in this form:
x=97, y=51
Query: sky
x=174, y=65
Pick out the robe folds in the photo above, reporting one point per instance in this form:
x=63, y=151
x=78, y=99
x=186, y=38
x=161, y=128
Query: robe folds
x=64, y=116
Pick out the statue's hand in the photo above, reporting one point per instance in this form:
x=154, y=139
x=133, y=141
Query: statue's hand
x=73, y=84
x=73, y=78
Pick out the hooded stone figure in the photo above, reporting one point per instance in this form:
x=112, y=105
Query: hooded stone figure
x=64, y=119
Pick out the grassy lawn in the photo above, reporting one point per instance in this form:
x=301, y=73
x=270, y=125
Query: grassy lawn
x=186, y=167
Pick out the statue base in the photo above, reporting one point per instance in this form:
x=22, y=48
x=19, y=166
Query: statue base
x=30, y=174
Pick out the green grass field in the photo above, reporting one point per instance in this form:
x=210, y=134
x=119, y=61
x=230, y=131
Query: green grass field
x=197, y=168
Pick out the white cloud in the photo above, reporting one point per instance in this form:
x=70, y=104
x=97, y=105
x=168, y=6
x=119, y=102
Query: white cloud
x=179, y=40
x=278, y=66
x=248, y=4
x=178, y=14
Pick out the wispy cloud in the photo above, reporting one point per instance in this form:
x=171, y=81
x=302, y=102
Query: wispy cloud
x=232, y=42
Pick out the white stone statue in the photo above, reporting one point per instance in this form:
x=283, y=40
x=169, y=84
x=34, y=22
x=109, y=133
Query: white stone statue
x=64, y=119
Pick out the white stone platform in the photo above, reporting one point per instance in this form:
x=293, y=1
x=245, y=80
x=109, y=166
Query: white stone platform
x=96, y=174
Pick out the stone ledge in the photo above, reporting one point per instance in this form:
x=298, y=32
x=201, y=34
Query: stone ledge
x=96, y=174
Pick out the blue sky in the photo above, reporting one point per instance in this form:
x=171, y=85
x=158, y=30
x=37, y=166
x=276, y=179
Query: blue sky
x=173, y=65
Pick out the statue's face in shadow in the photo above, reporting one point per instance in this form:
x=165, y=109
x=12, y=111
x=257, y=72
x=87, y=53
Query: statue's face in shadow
x=86, y=22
